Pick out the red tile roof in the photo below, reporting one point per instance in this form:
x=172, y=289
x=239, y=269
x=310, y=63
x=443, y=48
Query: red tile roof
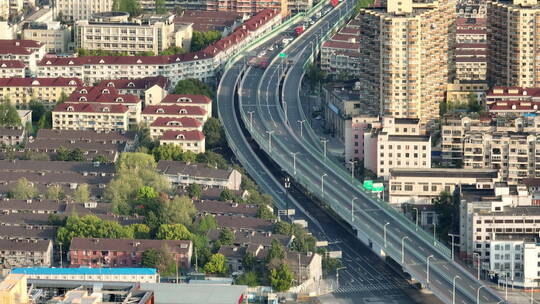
x=173, y=110
x=136, y=84
x=341, y=45
x=471, y=59
x=101, y=95
x=40, y=82
x=186, y=98
x=187, y=122
x=471, y=45
x=90, y=108
x=514, y=105
x=19, y=47
x=519, y=92
x=183, y=135
x=470, y=32
x=11, y=64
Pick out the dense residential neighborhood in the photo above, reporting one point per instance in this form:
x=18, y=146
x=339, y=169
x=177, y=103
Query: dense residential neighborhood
x=327, y=151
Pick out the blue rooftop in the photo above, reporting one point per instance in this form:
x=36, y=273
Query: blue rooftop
x=84, y=271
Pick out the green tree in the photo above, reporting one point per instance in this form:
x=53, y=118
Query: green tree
x=226, y=236
x=23, y=190
x=81, y=194
x=31, y=155
x=38, y=110
x=200, y=40
x=62, y=154
x=226, y=195
x=473, y=105
x=9, y=115
x=217, y=264
x=56, y=220
x=63, y=97
x=45, y=121
x=265, y=213
x=214, y=133
x=54, y=192
x=276, y=251
x=179, y=210
x=447, y=208
x=76, y=155
x=249, y=261
x=140, y=231
x=166, y=263
x=173, y=50
x=360, y=4
x=193, y=86
x=249, y=278
x=135, y=161
x=281, y=278
x=160, y=7
x=129, y=6
x=194, y=191
x=206, y=223
x=150, y=258
x=173, y=232
x=330, y=265
x=145, y=140
x=282, y=227
x=100, y=159
x=212, y=159
x=167, y=152
x=90, y=226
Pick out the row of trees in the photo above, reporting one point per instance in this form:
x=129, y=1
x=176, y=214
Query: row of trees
x=200, y=40
x=85, y=52
x=25, y=190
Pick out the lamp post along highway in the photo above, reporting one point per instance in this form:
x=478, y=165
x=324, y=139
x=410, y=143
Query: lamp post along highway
x=434, y=233
x=384, y=232
x=324, y=141
x=352, y=162
x=453, y=243
x=416, y=209
x=251, y=120
x=301, y=122
x=270, y=141
x=352, y=208
x=478, y=294
x=287, y=185
x=294, y=161
x=454, y=288
x=322, y=183
x=427, y=270
x=478, y=265
x=403, y=248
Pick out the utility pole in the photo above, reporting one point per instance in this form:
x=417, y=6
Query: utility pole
x=61, y=258
x=352, y=162
x=251, y=120
x=287, y=185
x=324, y=141
x=301, y=122
x=196, y=264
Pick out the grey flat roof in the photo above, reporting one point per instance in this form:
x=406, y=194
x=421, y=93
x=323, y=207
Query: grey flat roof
x=167, y=293
x=421, y=138
x=445, y=172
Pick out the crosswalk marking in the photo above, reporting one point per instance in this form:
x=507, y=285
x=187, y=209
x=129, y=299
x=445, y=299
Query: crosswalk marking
x=363, y=288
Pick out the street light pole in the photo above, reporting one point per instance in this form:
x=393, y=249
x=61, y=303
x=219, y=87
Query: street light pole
x=287, y=185
x=454, y=289
x=301, y=122
x=453, y=243
x=434, y=233
x=416, y=209
x=352, y=208
x=294, y=161
x=403, y=249
x=427, y=271
x=270, y=141
x=384, y=230
x=478, y=294
x=324, y=141
x=352, y=162
x=61, y=258
x=322, y=183
x=478, y=266
x=337, y=276
x=251, y=120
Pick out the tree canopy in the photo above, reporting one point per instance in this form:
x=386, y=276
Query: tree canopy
x=9, y=115
x=281, y=278
x=193, y=86
x=200, y=40
x=23, y=189
x=217, y=264
x=129, y=6
x=81, y=194
x=214, y=133
x=90, y=226
x=54, y=192
x=173, y=232
x=173, y=50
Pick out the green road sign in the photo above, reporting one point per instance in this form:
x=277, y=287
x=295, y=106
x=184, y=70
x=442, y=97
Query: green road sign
x=368, y=184
x=282, y=55
x=377, y=187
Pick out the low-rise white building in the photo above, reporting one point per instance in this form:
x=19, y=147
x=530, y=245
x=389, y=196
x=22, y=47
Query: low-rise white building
x=90, y=116
x=12, y=68
x=193, y=141
x=55, y=36
x=181, y=173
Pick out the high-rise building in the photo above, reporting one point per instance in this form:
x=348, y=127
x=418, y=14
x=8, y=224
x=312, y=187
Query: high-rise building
x=406, y=48
x=512, y=38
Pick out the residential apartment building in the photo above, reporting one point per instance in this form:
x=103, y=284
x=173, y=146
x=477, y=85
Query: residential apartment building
x=74, y=10
x=151, y=113
x=12, y=68
x=99, y=252
x=299, y=6
x=124, y=274
x=340, y=55
x=508, y=145
x=460, y=91
x=513, y=101
x=30, y=52
x=422, y=186
x=24, y=253
x=512, y=39
x=108, y=96
x=151, y=90
x=203, y=21
x=20, y=91
x=193, y=141
x=178, y=124
x=90, y=116
x=406, y=48
x=398, y=143
x=354, y=136
x=12, y=136
x=201, y=101
x=180, y=173
x=200, y=65
x=111, y=31
x=13, y=288
x=54, y=35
